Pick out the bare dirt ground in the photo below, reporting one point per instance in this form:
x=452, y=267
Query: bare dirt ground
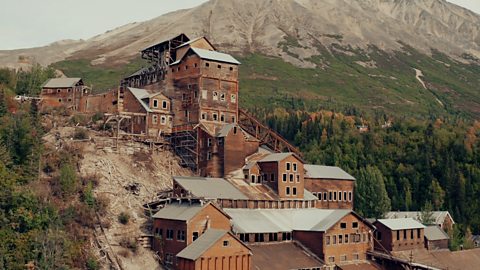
x=128, y=177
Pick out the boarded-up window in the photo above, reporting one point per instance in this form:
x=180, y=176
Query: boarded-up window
x=154, y=119
x=215, y=95
x=204, y=94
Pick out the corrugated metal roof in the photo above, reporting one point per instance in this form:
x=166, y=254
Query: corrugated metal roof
x=326, y=172
x=438, y=216
x=284, y=220
x=61, y=82
x=434, y=232
x=215, y=56
x=202, y=244
x=140, y=94
x=225, y=130
x=401, y=223
x=275, y=157
x=249, y=165
x=177, y=211
x=210, y=188
x=282, y=255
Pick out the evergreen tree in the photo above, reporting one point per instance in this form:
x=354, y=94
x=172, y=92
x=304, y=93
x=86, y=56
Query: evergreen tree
x=3, y=102
x=371, y=196
x=426, y=215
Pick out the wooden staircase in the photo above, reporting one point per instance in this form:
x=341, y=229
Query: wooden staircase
x=266, y=135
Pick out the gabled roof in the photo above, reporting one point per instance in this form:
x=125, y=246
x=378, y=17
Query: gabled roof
x=176, y=211
x=61, y=82
x=284, y=220
x=250, y=165
x=434, y=232
x=276, y=157
x=202, y=244
x=194, y=40
x=141, y=94
x=184, y=211
x=326, y=172
x=438, y=216
x=209, y=188
x=182, y=36
x=210, y=55
x=401, y=224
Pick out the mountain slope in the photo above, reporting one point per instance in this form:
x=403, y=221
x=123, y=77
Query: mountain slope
x=338, y=53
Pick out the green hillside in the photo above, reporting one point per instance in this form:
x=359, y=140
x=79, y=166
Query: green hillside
x=341, y=81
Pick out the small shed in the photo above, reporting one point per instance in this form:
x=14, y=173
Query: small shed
x=436, y=238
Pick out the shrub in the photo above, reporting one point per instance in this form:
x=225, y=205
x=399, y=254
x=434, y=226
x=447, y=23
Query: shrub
x=68, y=179
x=92, y=264
x=130, y=243
x=80, y=134
x=123, y=218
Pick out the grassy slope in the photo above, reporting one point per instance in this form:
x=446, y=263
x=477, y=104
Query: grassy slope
x=341, y=83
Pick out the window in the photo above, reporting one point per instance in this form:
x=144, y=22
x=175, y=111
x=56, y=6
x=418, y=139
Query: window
x=178, y=68
x=215, y=116
x=209, y=155
x=220, y=141
x=287, y=191
x=173, y=70
x=164, y=104
x=294, y=191
x=325, y=196
x=355, y=256
x=330, y=196
x=222, y=117
x=219, y=66
x=180, y=235
x=379, y=236
x=349, y=196
x=331, y=259
x=288, y=166
x=163, y=120
x=284, y=177
x=195, y=94
x=327, y=240
x=286, y=236
x=340, y=196
x=253, y=178
x=294, y=167
x=259, y=237
x=345, y=196
x=231, y=68
x=272, y=177
x=195, y=65
x=334, y=239
x=291, y=178
x=343, y=258
x=194, y=236
x=204, y=116
x=60, y=100
x=404, y=234
x=235, y=130
x=346, y=238
x=246, y=176
x=226, y=243
x=209, y=142
x=222, y=97
x=204, y=94
x=334, y=196
x=155, y=103
x=184, y=96
x=355, y=225
x=154, y=119
x=233, y=119
x=59, y=90
x=233, y=98
x=340, y=239
x=186, y=67
x=418, y=233
x=207, y=64
x=273, y=237
x=169, y=234
x=411, y=234
x=343, y=225
x=185, y=113
x=398, y=235
x=215, y=95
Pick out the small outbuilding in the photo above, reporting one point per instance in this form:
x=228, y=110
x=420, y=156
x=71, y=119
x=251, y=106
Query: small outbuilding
x=436, y=238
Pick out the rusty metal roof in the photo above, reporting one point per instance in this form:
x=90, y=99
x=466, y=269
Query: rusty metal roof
x=359, y=266
x=140, y=94
x=282, y=256
x=326, y=172
x=276, y=157
x=445, y=259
